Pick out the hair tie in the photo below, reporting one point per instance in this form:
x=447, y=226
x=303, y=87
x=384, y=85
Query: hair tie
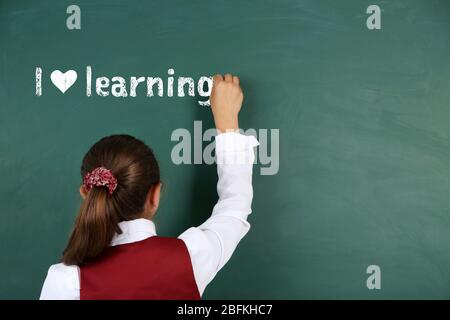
x=100, y=177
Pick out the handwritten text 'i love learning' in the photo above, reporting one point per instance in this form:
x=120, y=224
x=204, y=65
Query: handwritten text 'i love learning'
x=118, y=86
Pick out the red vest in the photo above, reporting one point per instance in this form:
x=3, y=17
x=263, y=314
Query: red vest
x=154, y=268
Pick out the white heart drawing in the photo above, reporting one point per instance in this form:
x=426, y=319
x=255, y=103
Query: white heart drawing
x=63, y=81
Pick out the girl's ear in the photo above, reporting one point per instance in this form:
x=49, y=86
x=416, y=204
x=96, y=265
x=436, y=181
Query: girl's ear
x=155, y=194
x=152, y=201
x=83, y=192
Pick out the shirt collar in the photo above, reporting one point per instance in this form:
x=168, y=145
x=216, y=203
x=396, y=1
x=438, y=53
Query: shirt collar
x=133, y=231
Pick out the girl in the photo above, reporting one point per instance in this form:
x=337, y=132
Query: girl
x=114, y=252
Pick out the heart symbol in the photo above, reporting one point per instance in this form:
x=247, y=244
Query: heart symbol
x=63, y=81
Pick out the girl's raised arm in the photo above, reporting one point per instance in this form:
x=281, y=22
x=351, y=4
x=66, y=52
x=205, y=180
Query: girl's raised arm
x=211, y=244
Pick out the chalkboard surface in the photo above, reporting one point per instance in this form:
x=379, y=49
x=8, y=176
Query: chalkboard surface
x=364, y=135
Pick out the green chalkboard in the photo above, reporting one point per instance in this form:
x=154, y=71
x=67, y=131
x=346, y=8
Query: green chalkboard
x=364, y=136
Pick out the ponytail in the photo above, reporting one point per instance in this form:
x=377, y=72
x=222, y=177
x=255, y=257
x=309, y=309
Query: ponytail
x=94, y=229
x=117, y=173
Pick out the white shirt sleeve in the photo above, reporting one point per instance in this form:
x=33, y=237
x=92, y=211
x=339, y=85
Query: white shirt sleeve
x=211, y=244
x=61, y=283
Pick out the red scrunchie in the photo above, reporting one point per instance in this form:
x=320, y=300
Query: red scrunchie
x=100, y=177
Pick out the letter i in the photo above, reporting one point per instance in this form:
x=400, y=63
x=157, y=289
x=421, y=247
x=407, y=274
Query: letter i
x=38, y=81
x=88, y=81
x=170, y=83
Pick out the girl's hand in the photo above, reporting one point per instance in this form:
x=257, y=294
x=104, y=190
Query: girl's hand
x=226, y=101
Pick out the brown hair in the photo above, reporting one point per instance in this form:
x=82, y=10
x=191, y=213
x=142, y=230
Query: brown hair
x=134, y=166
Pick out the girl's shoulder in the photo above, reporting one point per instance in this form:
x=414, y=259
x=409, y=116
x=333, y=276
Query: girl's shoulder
x=62, y=282
x=63, y=270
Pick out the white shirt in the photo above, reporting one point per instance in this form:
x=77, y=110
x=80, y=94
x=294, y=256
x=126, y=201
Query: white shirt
x=211, y=244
